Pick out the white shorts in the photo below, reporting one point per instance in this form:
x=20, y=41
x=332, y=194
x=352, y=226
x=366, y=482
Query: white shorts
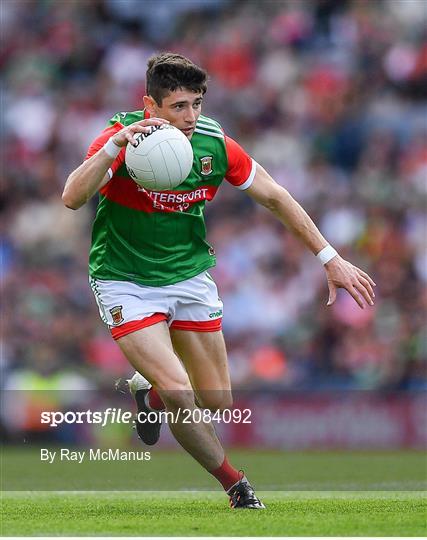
x=126, y=306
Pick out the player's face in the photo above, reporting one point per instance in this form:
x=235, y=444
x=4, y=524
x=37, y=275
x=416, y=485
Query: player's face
x=181, y=107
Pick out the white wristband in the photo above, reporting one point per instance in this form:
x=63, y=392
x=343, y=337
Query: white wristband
x=111, y=148
x=326, y=254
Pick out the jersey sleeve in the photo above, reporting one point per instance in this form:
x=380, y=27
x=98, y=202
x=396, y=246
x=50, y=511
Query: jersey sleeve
x=99, y=142
x=241, y=167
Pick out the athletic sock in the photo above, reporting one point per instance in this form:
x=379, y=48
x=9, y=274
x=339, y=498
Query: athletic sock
x=226, y=474
x=154, y=401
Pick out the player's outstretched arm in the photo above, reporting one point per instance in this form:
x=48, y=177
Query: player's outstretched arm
x=92, y=174
x=339, y=272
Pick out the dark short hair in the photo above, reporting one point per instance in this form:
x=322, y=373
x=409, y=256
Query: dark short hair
x=167, y=72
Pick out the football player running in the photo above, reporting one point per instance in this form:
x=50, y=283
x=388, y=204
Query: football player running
x=149, y=262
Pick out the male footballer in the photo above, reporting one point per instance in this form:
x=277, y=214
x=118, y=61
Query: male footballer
x=149, y=263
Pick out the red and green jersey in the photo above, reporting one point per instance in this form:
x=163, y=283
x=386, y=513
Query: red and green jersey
x=158, y=238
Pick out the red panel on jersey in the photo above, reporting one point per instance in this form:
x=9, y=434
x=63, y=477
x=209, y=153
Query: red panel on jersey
x=124, y=191
x=99, y=142
x=239, y=163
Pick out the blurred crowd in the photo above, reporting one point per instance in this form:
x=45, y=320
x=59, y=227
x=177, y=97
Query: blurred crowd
x=328, y=95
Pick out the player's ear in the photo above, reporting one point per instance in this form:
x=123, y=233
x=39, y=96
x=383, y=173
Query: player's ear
x=150, y=105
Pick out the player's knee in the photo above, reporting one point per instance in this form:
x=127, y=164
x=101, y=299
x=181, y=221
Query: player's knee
x=175, y=400
x=173, y=383
x=216, y=400
x=176, y=393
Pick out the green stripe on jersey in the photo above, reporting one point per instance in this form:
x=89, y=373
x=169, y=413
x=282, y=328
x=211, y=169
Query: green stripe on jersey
x=203, y=118
x=211, y=133
x=204, y=124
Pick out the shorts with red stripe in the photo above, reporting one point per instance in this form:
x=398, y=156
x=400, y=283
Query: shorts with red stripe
x=192, y=305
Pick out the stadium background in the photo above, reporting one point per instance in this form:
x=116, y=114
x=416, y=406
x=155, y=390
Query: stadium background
x=329, y=95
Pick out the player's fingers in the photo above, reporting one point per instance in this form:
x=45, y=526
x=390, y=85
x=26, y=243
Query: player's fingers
x=134, y=129
x=367, y=286
x=364, y=292
x=366, y=276
x=153, y=121
x=130, y=138
x=141, y=129
x=353, y=291
x=332, y=293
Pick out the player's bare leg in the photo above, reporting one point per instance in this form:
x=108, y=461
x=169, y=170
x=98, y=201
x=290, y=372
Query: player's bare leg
x=150, y=352
x=204, y=356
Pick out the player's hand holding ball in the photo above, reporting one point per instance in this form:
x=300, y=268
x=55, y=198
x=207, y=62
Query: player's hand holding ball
x=158, y=155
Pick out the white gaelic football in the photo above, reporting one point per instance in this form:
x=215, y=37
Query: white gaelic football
x=161, y=159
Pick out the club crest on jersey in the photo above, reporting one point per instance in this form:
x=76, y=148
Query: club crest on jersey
x=206, y=165
x=116, y=313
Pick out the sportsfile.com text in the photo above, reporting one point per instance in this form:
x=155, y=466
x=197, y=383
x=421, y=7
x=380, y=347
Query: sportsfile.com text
x=119, y=416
